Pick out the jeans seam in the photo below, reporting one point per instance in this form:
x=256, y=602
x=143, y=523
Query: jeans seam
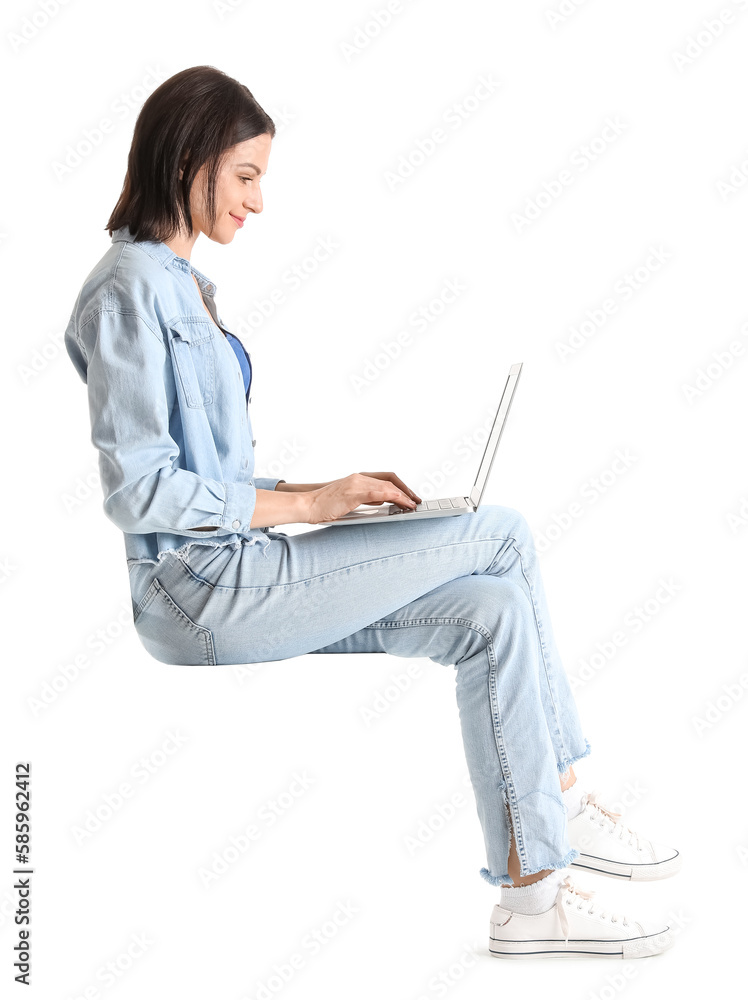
x=350, y=566
x=429, y=621
x=509, y=791
x=183, y=619
x=144, y=601
x=543, y=653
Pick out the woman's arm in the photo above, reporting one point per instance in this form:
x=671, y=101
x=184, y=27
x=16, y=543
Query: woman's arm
x=388, y=477
x=315, y=503
x=127, y=367
x=272, y=507
x=284, y=487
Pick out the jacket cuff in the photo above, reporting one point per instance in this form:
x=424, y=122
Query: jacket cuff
x=266, y=484
x=239, y=506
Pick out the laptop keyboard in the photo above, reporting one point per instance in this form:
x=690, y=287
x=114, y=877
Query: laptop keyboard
x=433, y=505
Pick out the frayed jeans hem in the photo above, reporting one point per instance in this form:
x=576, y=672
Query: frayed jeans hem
x=501, y=879
x=564, y=767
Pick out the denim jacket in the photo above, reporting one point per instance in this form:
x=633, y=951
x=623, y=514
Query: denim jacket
x=166, y=398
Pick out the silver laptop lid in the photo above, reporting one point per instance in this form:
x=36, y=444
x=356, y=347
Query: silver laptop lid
x=495, y=436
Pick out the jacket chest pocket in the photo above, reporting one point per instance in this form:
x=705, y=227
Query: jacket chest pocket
x=194, y=358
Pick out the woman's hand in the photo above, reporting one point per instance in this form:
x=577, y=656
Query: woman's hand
x=391, y=478
x=344, y=495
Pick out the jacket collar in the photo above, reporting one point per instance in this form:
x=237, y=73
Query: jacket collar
x=165, y=256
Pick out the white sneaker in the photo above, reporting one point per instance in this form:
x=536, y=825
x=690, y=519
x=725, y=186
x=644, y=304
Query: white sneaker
x=608, y=847
x=574, y=927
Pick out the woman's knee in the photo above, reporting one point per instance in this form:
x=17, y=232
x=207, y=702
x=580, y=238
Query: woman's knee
x=487, y=611
x=489, y=602
x=509, y=522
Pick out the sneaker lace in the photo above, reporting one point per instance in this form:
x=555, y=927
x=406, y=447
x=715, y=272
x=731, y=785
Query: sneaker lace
x=611, y=819
x=567, y=890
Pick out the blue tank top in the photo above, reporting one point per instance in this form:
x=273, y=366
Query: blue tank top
x=243, y=359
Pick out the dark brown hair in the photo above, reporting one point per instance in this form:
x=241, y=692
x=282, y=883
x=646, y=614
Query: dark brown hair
x=191, y=119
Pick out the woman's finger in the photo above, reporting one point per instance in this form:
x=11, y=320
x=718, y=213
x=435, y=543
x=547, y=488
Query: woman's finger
x=406, y=489
x=396, y=481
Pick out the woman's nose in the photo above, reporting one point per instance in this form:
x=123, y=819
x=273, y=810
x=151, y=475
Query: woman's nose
x=253, y=202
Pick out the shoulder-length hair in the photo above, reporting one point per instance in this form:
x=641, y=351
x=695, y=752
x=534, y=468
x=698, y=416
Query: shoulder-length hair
x=190, y=120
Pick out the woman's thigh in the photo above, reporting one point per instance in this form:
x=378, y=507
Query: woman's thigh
x=449, y=623
x=306, y=591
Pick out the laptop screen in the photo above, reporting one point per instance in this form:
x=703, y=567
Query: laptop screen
x=495, y=436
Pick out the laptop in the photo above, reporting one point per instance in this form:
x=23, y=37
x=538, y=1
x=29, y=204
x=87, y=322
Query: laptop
x=448, y=506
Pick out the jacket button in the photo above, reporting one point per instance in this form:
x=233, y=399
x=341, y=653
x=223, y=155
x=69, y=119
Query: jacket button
x=254, y=442
x=236, y=524
x=250, y=399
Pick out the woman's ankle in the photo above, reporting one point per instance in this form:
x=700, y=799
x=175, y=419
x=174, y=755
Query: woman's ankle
x=522, y=880
x=568, y=778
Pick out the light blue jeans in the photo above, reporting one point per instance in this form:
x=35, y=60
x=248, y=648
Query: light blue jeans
x=463, y=591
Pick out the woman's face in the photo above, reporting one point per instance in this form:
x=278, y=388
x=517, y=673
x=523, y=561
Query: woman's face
x=237, y=189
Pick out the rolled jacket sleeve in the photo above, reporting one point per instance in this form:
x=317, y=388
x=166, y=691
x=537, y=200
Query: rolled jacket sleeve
x=266, y=484
x=127, y=368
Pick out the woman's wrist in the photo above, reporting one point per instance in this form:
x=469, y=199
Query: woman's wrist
x=284, y=487
x=271, y=509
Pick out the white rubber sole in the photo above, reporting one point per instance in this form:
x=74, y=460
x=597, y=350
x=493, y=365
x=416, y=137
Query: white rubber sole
x=638, y=947
x=635, y=873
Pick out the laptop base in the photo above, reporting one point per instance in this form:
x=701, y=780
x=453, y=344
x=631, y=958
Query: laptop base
x=380, y=515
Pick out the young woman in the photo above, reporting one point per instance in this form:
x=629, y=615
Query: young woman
x=168, y=388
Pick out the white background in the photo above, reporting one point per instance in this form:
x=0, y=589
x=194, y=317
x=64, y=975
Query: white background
x=674, y=79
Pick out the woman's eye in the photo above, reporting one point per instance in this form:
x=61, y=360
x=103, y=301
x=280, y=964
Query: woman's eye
x=245, y=178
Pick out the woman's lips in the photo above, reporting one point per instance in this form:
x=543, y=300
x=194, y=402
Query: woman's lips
x=239, y=222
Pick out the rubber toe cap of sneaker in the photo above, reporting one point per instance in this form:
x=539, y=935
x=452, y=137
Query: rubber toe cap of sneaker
x=662, y=853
